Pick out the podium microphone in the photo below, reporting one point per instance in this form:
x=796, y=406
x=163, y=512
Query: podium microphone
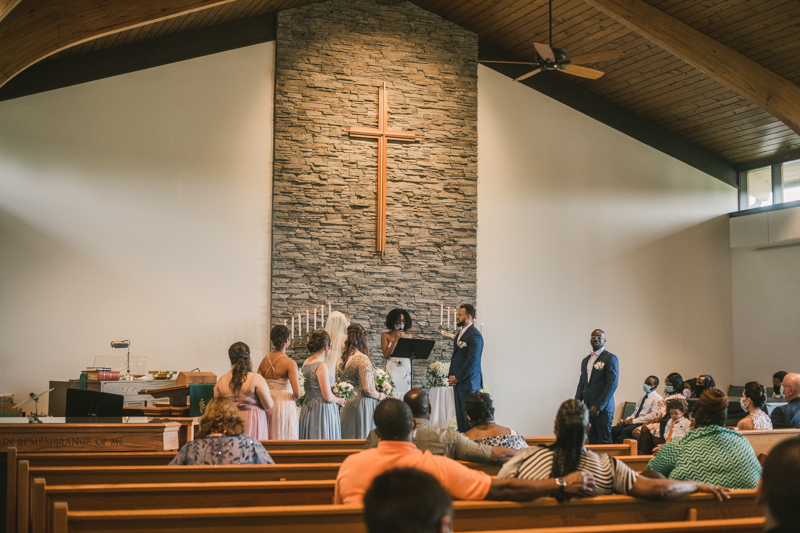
x=120, y=344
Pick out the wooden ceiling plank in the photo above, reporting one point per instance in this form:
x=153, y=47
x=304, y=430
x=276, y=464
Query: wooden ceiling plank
x=652, y=65
x=774, y=93
x=747, y=141
x=693, y=107
x=534, y=26
x=687, y=94
x=757, y=15
x=43, y=27
x=722, y=117
x=186, y=22
x=660, y=83
x=743, y=132
x=530, y=20
x=726, y=123
x=758, y=152
x=707, y=112
x=477, y=14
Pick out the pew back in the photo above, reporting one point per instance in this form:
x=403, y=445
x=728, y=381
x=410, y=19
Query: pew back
x=468, y=516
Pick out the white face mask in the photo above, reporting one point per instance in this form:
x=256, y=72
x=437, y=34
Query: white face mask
x=741, y=403
x=782, y=392
x=399, y=326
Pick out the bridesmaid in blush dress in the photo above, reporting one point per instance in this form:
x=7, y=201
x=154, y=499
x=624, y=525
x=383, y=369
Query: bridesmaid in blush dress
x=356, y=367
x=281, y=375
x=248, y=390
x=319, y=417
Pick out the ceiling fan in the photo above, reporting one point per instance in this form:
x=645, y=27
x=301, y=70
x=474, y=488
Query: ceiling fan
x=549, y=58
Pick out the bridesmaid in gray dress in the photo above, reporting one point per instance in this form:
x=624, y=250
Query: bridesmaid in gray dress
x=356, y=367
x=319, y=417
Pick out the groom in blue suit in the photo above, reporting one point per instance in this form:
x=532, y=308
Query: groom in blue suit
x=599, y=378
x=465, y=366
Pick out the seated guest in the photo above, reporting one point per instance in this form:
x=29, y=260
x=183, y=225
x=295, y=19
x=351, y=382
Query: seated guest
x=688, y=388
x=483, y=430
x=788, y=416
x=248, y=390
x=407, y=500
x=710, y=453
x=649, y=435
x=611, y=476
x=704, y=382
x=753, y=401
x=221, y=439
x=779, y=490
x=447, y=442
x=394, y=422
x=777, y=380
x=677, y=425
x=646, y=411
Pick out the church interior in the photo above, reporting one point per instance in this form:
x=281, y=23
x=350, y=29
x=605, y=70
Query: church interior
x=187, y=174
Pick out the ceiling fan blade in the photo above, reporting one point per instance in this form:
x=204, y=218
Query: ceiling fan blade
x=528, y=75
x=509, y=62
x=596, y=57
x=545, y=52
x=583, y=72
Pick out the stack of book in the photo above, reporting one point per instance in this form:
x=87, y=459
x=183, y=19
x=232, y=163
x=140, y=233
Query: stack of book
x=100, y=373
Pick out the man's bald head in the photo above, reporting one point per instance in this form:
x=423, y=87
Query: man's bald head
x=791, y=386
x=393, y=420
x=419, y=403
x=779, y=488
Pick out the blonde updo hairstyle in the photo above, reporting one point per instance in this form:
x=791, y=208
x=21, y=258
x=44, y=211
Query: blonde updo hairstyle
x=221, y=416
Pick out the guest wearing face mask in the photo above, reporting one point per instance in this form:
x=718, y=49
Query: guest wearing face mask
x=649, y=434
x=398, y=322
x=752, y=401
x=777, y=379
x=645, y=411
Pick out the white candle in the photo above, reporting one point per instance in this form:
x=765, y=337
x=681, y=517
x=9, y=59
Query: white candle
x=329, y=309
x=308, y=329
x=315, y=319
x=292, y=327
x=322, y=308
x=300, y=323
x=441, y=316
x=448, y=317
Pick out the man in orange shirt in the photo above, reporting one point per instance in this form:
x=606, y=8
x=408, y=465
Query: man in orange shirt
x=394, y=422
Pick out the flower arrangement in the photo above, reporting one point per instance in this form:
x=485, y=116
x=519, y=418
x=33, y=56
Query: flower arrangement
x=343, y=389
x=437, y=374
x=452, y=424
x=383, y=382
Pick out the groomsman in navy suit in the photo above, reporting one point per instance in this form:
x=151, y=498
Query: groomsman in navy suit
x=599, y=377
x=465, y=366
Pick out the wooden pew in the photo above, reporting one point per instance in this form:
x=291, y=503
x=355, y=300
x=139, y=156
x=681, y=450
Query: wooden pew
x=735, y=525
x=174, y=495
x=468, y=516
x=76, y=475
x=629, y=447
x=763, y=441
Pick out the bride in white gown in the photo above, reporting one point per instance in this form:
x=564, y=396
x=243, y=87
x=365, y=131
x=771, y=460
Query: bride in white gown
x=398, y=322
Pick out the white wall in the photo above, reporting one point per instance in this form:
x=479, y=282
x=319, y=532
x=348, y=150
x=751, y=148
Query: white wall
x=766, y=292
x=582, y=227
x=137, y=207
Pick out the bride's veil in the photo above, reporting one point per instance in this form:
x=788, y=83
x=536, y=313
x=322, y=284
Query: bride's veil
x=336, y=326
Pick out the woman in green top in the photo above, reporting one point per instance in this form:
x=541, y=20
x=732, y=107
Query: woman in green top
x=709, y=453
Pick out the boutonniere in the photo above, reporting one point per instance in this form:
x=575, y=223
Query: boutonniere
x=462, y=344
x=599, y=365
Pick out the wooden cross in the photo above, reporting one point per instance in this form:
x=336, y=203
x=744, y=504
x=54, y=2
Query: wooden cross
x=383, y=135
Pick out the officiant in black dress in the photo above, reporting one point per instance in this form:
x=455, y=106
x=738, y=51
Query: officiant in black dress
x=466, y=376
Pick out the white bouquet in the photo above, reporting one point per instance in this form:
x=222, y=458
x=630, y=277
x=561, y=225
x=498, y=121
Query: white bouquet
x=343, y=389
x=383, y=382
x=437, y=374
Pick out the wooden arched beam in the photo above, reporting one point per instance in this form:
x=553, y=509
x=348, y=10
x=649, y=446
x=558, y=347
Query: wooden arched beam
x=6, y=6
x=774, y=93
x=35, y=29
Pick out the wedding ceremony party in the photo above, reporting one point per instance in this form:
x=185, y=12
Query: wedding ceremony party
x=399, y=266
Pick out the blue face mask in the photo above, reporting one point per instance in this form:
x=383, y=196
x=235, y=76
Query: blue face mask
x=399, y=326
x=669, y=388
x=646, y=388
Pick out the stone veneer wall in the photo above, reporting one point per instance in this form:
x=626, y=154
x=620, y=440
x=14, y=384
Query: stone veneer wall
x=331, y=59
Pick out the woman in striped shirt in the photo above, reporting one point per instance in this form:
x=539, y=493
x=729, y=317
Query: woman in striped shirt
x=610, y=476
